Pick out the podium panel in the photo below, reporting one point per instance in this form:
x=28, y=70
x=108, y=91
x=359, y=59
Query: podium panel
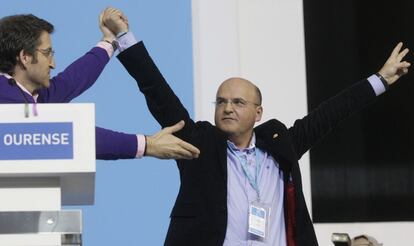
x=55, y=140
x=47, y=159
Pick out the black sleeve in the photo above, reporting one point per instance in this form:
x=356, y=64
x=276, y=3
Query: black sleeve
x=313, y=127
x=162, y=102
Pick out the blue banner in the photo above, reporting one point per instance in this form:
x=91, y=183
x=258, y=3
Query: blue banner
x=36, y=141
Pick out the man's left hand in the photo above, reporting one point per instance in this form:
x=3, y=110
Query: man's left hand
x=394, y=67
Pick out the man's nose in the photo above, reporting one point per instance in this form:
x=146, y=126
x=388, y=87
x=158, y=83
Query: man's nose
x=52, y=64
x=229, y=106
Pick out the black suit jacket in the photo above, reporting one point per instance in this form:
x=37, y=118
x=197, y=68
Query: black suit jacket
x=199, y=216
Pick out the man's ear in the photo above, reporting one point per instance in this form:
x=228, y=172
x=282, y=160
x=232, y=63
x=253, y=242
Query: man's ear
x=259, y=113
x=23, y=59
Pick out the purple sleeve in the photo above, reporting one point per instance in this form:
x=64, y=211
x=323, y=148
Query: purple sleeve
x=76, y=78
x=111, y=145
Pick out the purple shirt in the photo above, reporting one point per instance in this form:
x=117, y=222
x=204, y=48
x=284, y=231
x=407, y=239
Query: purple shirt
x=75, y=79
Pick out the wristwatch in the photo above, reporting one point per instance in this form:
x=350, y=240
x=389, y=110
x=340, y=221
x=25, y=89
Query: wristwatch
x=384, y=81
x=115, y=43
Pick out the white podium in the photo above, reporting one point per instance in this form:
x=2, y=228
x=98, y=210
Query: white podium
x=47, y=159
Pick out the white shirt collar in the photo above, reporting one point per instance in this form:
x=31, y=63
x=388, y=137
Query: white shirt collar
x=21, y=86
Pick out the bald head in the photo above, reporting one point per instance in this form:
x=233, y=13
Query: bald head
x=238, y=109
x=237, y=82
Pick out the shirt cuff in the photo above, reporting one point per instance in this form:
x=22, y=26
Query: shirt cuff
x=376, y=84
x=107, y=47
x=140, y=146
x=125, y=40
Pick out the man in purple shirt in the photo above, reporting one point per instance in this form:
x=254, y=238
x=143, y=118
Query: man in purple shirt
x=245, y=188
x=26, y=58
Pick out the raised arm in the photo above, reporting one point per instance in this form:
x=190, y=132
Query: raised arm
x=161, y=100
x=164, y=105
x=163, y=144
x=309, y=130
x=82, y=73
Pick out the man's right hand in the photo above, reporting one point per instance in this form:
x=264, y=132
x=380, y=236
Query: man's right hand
x=115, y=20
x=164, y=145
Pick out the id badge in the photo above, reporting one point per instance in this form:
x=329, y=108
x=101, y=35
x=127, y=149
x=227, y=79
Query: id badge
x=258, y=221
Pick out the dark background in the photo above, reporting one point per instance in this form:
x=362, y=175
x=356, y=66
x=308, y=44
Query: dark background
x=364, y=170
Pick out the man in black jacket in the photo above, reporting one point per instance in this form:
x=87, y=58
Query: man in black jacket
x=245, y=187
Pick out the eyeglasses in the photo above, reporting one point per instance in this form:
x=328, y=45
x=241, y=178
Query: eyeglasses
x=49, y=53
x=236, y=102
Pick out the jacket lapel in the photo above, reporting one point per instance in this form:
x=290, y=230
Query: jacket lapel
x=272, y=136
x=221, y=145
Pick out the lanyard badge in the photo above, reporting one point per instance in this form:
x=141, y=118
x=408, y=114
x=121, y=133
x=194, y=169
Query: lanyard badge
x=258, y=212
x=258, y=221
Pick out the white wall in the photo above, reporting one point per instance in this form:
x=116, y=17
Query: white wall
x=263, y=41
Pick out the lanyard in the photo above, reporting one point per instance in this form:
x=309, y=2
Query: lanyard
x=254, y=181
x=26, y=105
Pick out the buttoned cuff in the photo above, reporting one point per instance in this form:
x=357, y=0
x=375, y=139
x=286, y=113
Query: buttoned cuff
x=125, y=40
x=376, y=84
x=140, y=146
